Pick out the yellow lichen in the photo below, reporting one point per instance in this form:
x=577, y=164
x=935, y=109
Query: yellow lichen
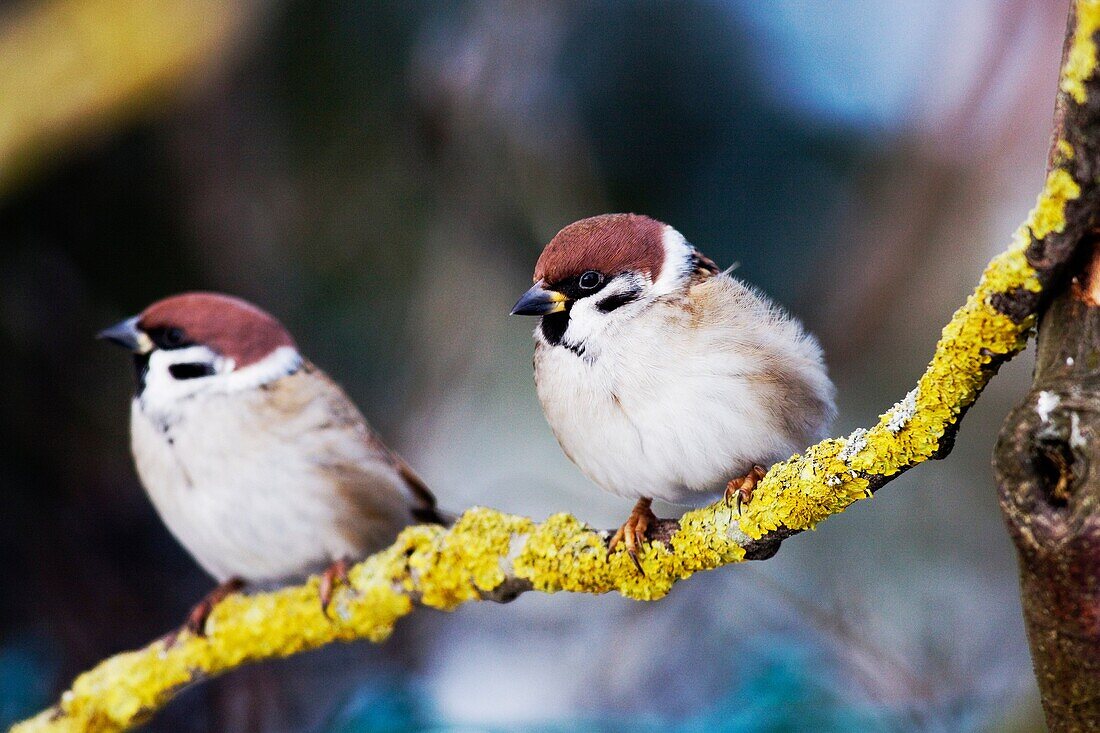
x=457, y=566
x=1064, y=152
x=1049, y=214
x=1081, y=60
x=564, y=554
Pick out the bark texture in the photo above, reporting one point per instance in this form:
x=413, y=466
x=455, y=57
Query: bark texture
x=1048, y=468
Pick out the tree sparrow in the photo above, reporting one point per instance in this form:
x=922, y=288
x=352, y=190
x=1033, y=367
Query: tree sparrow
x=662, y=377
x=258, y=463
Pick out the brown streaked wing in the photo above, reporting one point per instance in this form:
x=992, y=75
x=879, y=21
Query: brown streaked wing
x=424, y=508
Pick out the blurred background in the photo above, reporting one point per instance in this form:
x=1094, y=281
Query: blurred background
x=381, y=176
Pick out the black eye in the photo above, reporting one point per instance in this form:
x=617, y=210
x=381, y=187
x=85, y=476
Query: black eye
x=173, y=338
x=590, y=279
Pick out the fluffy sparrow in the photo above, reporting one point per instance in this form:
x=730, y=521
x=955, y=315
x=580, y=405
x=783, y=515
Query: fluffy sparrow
x=258, y=463
x=662, y=377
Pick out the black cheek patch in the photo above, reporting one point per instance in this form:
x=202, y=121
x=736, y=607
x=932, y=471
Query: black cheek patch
x=618, y=300
x=141, y=368
x=190, y=371
x=553, y=327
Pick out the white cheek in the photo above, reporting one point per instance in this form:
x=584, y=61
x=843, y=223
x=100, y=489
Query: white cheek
x=163, y=392
x=587, y=322
x=161, y=361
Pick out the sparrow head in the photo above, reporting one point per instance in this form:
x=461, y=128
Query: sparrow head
x=197, y=342
x=602, y=271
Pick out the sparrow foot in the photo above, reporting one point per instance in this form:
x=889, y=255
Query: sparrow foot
x=740, y=488
x=633, y=531
x=334, y=575
x=200, y=612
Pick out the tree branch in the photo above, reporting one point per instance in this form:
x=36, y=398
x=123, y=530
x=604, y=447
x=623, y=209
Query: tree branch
x=491, y=555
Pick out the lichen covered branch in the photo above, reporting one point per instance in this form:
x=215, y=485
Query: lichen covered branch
x=491, y=555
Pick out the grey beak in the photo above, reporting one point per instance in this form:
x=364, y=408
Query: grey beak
x=539, y=301
x=125, y=334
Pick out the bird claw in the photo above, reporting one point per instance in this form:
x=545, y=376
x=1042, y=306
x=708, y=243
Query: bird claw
x=334, y=575
x=195, y=624
x=633, y=532
x=740, y=489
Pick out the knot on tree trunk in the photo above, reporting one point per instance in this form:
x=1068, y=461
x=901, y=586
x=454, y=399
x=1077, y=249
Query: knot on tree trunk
x=1048, y=472
x=1044, y=467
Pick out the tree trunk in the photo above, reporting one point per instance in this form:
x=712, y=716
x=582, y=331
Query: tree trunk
x=1047, y=463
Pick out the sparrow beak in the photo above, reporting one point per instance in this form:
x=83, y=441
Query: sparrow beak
x=128, y=335
x=539, y=301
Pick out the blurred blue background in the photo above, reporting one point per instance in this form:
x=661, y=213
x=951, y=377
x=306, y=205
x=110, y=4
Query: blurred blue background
x=381, y=176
